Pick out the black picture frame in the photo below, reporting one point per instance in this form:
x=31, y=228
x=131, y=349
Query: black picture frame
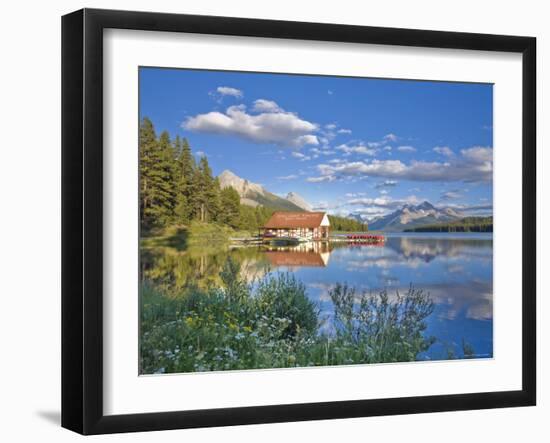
x=82, y=219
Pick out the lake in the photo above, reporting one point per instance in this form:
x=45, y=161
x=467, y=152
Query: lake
x=455, y=269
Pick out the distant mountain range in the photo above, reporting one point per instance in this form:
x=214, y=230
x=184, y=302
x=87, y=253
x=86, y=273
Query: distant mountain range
x=253, y=194
x=411, y=216
x=408, y=217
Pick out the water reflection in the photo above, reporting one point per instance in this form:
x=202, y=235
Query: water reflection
x=312, y=254
x=457, y=271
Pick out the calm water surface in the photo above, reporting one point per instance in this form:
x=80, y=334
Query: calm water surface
x=456, y=270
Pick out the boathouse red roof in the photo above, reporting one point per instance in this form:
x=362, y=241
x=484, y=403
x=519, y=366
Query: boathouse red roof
x=284, y=219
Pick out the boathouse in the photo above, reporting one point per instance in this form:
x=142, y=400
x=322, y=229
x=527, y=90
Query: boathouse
x=297, y=225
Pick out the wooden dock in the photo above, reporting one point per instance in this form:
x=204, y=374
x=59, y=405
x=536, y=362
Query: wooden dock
x=366, y=239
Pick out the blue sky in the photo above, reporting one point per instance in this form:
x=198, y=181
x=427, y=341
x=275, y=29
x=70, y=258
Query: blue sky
x=346, y=145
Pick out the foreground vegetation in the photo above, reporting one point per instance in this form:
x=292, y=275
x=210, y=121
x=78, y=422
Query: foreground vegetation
x=467, y=224
x=271, y=323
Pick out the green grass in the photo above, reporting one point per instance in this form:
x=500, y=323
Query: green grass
x=180, y=237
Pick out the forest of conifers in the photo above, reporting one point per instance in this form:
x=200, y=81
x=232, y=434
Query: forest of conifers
x=175, y=189
x=467, y=224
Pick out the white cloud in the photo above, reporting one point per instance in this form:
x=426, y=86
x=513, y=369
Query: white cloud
x=387, y=148
x=331, y=126
x=406, y=149
x=200, y=154
x=300, y=156
x=384, y=202
x=450, y=195
x=281, y=128
x=391, y=137
x=288, y=177
x=386, y=184
x=226, y=90
x=262, y=105
x=344, y=131
x=317, y=152
x=356, y=149
x=478, y=154
x=444, y=150
x=474, y=165
x=325, y=178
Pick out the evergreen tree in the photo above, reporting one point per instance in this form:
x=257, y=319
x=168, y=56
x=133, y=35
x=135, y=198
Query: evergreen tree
x=206, y=191
x=185, y=209
x=168, y=172
x=156, y=192
x=229, y=207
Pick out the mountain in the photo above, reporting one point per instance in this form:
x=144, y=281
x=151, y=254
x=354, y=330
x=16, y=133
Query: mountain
x=253, y=194
x=356, y=216
x=411, y=216
x=299, y=201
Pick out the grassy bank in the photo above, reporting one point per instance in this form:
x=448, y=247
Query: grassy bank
x=273, y=324
x=196, y=233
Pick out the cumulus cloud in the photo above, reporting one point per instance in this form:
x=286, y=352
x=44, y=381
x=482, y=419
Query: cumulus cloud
x=359, y=148
x=227, y=90
x=281, y=128
x=478, y=154
x=344, y=131
x=391, y=137
x=406, y=149
x=444, y=150
x=262, y=105
x=474, y=165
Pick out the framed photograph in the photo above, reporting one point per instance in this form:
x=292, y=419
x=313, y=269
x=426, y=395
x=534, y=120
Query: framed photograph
x=269, y=221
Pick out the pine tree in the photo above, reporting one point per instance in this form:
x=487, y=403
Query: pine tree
x=229, y=207
x=168, y=171
x=147, y=148
x=157, y=194
x=206, y=191
x=185, y=180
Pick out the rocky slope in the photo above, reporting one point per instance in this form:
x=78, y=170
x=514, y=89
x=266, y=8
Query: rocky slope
x=253, y=194
x=410, y=216
x=299, y=201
